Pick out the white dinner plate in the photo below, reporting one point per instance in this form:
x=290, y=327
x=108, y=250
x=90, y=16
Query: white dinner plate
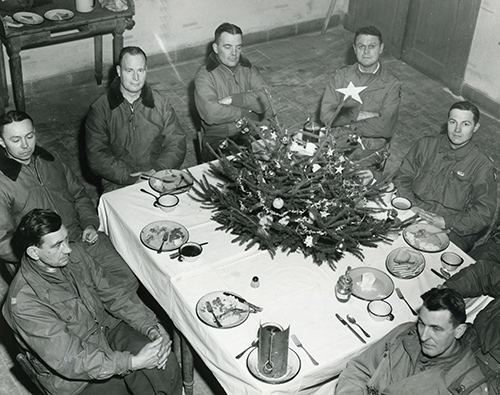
x=229, y=310
x=171, y=181
x=405, y=262
x=152, y=235
x=27, y=18
x=59, y=14
x=293, y=367
x=369, y=283
x=426, y=237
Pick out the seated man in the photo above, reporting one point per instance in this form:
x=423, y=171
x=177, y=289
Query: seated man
x=132, y=129
x=227, y=89
x=423, y=358
x=450, y=180
x=483, y=278
x=31, y=177
x=370, y=108
x=83, y=334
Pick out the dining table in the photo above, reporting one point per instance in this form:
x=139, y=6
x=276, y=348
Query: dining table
x=293, y=291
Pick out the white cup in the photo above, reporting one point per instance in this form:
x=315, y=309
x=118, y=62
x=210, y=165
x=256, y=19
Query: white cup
x=451, y=261
x=380, y=310
x=401, y=203
x=84, y=5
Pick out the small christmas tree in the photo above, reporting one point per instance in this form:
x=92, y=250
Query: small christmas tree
x=285, y=193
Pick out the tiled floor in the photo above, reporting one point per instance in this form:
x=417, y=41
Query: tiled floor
x=296, y=69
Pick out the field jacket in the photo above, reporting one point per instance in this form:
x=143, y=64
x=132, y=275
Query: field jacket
x=394, y=365
x=124, y=138
x=459, y=185
x=61, y=318
x=215, y=81
x=45, y=183
x=382, y=96
x=483, y=278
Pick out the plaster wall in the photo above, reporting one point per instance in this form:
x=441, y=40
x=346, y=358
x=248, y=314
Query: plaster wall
x=483, y=68
x=163, y=26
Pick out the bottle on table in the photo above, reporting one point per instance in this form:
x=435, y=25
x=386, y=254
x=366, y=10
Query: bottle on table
x=343, y=288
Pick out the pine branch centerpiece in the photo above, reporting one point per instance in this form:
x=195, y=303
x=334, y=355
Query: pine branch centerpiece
x=285, y=193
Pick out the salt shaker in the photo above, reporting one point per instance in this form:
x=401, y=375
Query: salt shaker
x=255, y=282
x=343, y=288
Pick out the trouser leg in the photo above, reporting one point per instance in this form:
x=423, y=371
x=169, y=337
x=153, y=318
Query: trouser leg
x=113, y=265
x=166, y=381
x=113, y=386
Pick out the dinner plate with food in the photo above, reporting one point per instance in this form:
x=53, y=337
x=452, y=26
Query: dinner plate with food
x=220, y=309
x=369, y=283
x=164, y=235
x=27, y=18
x=171, y=181
x=405, y=262
x=426, y=237
x=59, y=14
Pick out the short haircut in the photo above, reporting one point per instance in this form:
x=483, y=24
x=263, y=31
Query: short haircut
x=446, y=299
x=131, y=51
x=12, y=116
x=466, y=106
x=33, y=226
x=227, y=28
x=369, y=31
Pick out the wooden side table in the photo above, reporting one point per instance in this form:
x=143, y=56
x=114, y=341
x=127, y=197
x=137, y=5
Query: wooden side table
x=94, y=24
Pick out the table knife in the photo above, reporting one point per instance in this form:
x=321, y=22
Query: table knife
x=350, y=327
x=438, y=274
x=243, y=300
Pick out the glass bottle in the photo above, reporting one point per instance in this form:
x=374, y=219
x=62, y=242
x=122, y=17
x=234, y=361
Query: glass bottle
x=343, y=288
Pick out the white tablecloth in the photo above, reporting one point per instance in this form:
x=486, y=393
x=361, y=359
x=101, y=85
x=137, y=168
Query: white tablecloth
x=293, y=291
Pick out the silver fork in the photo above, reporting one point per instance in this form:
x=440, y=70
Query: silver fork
x=297, y=342
x=163, y=240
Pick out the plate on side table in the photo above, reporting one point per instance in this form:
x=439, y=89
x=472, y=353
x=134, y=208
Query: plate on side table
x=59, y=14
x=27, y=18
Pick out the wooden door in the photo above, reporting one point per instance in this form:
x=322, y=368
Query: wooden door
x=439, y=36
x=389, y=16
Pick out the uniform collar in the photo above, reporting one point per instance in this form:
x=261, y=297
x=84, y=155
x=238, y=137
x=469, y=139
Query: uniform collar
x=457, y=154
x=11, y=168
x=115, y=96
x=367, y=72
x=213, y=62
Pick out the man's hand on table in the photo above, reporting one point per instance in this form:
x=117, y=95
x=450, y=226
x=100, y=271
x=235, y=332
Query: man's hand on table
x=138, y=174
x=430, y=217
x=157, y=332
x=89, y=235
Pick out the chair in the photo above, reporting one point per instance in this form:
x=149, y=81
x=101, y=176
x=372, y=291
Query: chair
x=23, y=359
x=8, y=270
x=183, y=350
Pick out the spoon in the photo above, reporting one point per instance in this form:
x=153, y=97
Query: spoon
x=352, y=320
x=254, y=344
